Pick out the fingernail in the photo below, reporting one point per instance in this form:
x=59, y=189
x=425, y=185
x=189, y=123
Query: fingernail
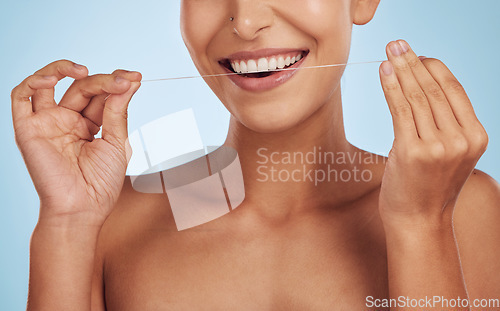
x=396, y=49
x=48, y=77
x=404, y=46
x=78, y=66
x=119, y=80
x=422, y=57
x=387, y=68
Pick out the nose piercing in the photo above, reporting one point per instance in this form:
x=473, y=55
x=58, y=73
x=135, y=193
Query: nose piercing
x=231, y=18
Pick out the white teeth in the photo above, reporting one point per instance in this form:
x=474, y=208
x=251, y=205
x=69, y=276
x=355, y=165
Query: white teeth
x=236, y=67
x=273, y=64
x=281, y=62
x=263, y=64
x=252, y=66
x=243, y=67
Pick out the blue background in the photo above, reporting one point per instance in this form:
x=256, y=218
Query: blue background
x=145, y=36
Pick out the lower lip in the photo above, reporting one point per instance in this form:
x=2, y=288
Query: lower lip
x=267, y=83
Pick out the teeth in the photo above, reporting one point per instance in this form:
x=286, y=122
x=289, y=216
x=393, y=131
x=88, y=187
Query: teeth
x=252, y=66
x=281, y=62
x=264, y=64
x=273, y=64
x=243, y=67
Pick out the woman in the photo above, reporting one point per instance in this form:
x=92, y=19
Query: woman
x=292, y=244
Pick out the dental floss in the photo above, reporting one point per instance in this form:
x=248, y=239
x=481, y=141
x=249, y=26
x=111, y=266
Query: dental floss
x=233, y=73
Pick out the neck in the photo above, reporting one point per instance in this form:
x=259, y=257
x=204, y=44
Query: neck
x=269, y=160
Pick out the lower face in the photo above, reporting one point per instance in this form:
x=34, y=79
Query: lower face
x=264, y=37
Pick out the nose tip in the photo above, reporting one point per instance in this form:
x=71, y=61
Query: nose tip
x=251, y=19
x=247, y=31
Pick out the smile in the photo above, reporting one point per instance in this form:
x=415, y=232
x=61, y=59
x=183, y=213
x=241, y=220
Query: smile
x=262, y=70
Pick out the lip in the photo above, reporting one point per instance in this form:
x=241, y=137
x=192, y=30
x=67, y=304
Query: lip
x=266, y=83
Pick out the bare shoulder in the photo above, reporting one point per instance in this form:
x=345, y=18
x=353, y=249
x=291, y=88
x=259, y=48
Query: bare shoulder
x=134, y=214
x=135, y=217
x=479, y=201
x=476, y=219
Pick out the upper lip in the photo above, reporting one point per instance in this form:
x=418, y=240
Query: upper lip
x=243, y=55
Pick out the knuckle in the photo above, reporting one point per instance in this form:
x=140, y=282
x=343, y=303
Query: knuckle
x=119, y=71
x=436, y=151
x=402, y=110
x=86, y=93
x=55, y=65
x=30, y=79
x=435, y=92
x=485, y=143
x=480, y=140
x=390, y=87
x=58, y=64
x=413, y=62
x=459, y=145
x=63, y=62
x=414, y=153
x=416, y=96
x=14, y=93
x=123, y=114
x=403, y=67
x=453, y=86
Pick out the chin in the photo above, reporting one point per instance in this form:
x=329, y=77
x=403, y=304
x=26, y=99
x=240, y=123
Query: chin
x=273, y=118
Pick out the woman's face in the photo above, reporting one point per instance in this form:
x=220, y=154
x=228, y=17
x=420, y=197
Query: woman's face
x=269, y=34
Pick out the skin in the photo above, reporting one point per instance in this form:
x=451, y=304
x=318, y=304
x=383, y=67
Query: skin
x=100, y=245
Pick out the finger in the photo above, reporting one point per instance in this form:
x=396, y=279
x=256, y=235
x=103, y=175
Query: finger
x=402, y=116
x=114, y=126
x=440, y=107
x=454, y=92
x=95, y=108
x=422, y=114
x=62, y=68
x=79, y=94
x=21, y=103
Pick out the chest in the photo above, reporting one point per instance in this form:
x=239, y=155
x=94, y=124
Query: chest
x=301, y=271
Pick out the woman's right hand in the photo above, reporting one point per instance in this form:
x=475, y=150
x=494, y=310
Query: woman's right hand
x=78, y=178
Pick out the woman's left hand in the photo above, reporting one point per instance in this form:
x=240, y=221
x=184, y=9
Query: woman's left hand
x=438, y=139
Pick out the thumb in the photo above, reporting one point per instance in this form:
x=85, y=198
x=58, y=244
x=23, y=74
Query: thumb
x=114, y=118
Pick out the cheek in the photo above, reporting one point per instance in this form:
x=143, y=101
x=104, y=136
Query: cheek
x=331, y=28
x=200, y=22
